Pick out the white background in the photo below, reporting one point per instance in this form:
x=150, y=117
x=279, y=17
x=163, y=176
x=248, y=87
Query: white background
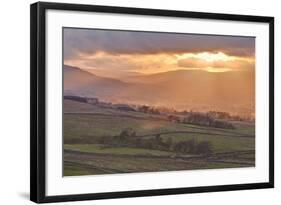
x=14, y=103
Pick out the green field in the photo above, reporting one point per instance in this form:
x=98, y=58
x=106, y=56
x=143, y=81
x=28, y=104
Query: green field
x=85, y=155
x=101, y=149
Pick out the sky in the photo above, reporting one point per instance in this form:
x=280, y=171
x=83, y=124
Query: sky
x=151, y=52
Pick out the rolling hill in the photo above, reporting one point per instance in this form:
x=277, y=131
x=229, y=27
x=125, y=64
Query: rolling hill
x=82, y=83
x=182, y=89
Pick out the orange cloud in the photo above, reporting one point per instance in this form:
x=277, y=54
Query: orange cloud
x=162, y=62
x=209, y=61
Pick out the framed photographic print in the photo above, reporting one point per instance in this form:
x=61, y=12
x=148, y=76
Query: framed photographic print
x=129, y=102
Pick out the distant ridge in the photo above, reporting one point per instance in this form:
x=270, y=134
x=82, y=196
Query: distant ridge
x=232, y=91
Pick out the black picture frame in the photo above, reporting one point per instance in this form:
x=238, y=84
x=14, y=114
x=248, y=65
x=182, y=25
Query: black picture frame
x=38, y=100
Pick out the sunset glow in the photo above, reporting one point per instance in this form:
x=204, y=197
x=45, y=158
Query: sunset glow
x=147, y=101
x=174, y=62
x=147, y=53
x=162, y=62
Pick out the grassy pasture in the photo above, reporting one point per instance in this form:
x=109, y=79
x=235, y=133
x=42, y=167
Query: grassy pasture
x=84, y=163
x=86, y=127
x=101, y=149
x=83, y=156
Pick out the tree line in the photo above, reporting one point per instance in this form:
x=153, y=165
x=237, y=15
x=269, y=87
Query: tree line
x=202, y=119
x=128, y=138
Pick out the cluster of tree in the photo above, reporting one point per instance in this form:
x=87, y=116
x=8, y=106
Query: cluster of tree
x=155, y=110
x=219, y=115
x=148, y=109
x=206, y=120
x=191, y=146
x=227, y=116
x=128, y=138
x=203, y=119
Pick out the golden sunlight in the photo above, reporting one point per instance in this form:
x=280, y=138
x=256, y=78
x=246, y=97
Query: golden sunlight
x=207, y=56
x=162, y=62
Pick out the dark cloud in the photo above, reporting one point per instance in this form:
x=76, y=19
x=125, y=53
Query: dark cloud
x=125, y=42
